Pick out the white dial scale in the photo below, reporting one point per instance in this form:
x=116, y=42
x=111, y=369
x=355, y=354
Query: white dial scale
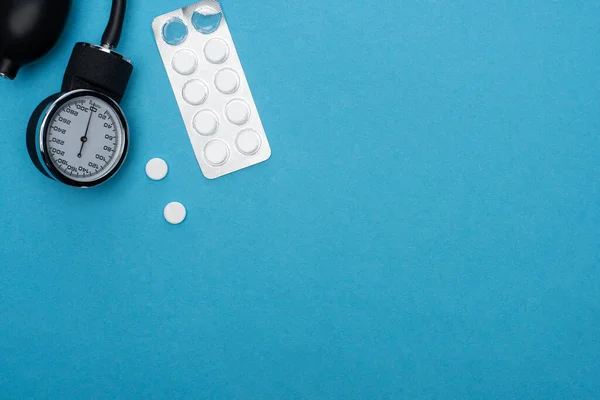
x=84, y=138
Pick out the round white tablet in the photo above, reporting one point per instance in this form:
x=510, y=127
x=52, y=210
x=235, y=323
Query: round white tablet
x=238, y=112
x=227, y=81
x=206, y=123
x=184, y=62
x=157, y=169
x=216, y=51
x=175, y=213
x=195, y=92
x=247, y=142
x=216, y=153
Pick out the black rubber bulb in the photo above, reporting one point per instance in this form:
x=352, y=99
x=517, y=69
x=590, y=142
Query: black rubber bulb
x=28, y=30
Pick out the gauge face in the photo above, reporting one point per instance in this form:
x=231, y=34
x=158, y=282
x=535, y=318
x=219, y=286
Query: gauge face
x=85, y=138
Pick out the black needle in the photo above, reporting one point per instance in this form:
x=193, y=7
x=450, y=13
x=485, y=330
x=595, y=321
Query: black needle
x=84, y=137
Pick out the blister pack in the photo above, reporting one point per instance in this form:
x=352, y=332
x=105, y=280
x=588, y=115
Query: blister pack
x=211, y=89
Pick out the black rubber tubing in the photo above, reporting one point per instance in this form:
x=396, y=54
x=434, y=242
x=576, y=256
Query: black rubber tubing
x=112, y=33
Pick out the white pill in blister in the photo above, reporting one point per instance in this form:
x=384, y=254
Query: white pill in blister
x=195, y=92
x=247, y=142
x=157, y=169
x=175, y=213
x=227, y=81
x=184, y=62
x=238, y=112
x=216, y=51
x=206, y=123
x=216, y=152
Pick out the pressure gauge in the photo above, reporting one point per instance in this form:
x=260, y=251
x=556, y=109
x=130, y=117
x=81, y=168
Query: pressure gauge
x=81, y=138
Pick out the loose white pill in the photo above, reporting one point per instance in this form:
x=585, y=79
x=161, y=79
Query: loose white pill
x=157, y=169
x=195, y=92
x=216, y=51
x=184, y=62
x=247, y=142
x=227, y=81
x=238, y=112
x=175, y=213
x=216, y=153
x=206, y=122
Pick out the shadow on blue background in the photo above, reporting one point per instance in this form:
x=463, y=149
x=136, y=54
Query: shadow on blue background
x=428, y=225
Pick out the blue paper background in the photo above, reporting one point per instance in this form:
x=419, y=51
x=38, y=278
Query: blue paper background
x=428, y=225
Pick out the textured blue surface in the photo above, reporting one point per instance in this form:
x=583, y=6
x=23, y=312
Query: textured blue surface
x=428, y=225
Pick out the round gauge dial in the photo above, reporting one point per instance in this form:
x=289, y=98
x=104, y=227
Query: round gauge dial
x=85, y=138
